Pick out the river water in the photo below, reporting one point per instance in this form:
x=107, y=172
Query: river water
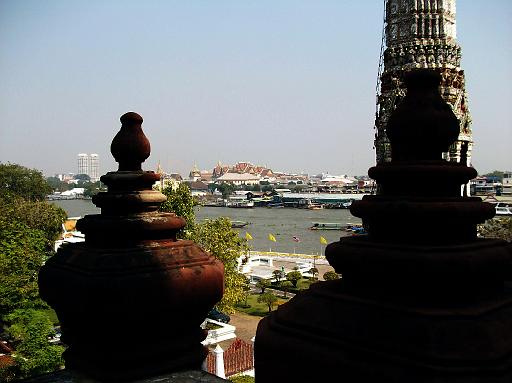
x=283, y=224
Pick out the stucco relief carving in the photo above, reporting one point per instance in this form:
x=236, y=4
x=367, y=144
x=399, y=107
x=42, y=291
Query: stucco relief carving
x=421, y=34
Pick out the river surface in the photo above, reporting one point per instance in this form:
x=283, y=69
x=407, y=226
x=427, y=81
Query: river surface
x=283, y=224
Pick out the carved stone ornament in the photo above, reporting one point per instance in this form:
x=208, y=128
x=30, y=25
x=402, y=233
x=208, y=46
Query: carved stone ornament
x=131, y=298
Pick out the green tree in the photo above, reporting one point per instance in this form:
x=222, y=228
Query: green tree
x=226, y=189
x=286, y=286
x=263, y=284
x=30, y=330
x=314, y=272
x=215, y=236
x=57, y=185
x=93, y=188
x=269, y=299
x=331, y=275
x=294, y=277
x=83, y=177
x=278, y=274
x=17, y=180
x=180, y=201
x=28, y=228
x=22, y=253
x=218, y=238
x=39, y=215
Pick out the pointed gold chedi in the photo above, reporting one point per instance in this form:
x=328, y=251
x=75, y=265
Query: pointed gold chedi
x=132, y=297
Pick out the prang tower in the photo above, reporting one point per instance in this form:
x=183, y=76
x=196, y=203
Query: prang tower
x=421, y=34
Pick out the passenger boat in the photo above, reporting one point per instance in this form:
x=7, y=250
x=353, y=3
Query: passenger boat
x=244, y=204
x=327, y=226
x=213, y=204
x=355, y=228
x=238, y=224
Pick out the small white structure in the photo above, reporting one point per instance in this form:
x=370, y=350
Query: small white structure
x=219, y=362
x=73, y=193
x=222, y=332
x=256, y=267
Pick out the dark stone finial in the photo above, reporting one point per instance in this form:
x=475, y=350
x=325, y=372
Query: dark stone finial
x=423, y=126
x=135, y=272
x=130, y=147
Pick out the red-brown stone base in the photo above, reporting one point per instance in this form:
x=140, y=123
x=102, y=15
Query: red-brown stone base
x=325, y=334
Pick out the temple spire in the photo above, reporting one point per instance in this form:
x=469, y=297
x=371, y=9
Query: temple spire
x=421, y=34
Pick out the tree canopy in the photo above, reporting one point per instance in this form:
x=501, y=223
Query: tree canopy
x=180, y=202
x=294, y=277
x=218, y=238
x=215, y=236
x=17, y=180
x=269, y=299
x=22, y=253
x=331, y=275
x=29, y=227
x=263, y=284
x=29, y=330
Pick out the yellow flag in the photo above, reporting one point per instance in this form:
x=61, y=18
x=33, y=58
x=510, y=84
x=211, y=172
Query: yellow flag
x=323, y=241
x=248, y=236
x=271, y=238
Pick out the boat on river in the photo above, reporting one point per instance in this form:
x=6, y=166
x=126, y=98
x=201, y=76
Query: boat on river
x=238, y=224
x=240, y=204
x=327, y=226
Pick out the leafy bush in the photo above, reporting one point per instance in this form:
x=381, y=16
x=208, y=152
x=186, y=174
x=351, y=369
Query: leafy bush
x=498, y=227
x=242, y=379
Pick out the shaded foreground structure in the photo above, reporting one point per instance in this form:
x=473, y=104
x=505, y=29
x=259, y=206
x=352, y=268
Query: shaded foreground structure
x=131, y=299
x=422, y=299
x=415, y=304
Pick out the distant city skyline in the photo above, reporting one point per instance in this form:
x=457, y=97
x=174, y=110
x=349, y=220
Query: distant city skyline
x=287, y=84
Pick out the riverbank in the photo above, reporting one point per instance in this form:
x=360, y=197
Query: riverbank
x=283, y=224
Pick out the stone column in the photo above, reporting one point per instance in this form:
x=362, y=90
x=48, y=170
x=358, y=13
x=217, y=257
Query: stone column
x=219, y=362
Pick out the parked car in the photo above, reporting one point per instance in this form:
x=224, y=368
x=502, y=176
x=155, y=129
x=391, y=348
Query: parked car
x=218, y=316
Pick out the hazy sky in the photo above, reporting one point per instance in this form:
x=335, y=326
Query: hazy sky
x=285, y=83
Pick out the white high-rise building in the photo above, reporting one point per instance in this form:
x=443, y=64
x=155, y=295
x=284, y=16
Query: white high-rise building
x=83, y=163
x=94, y=167
x=89, y=164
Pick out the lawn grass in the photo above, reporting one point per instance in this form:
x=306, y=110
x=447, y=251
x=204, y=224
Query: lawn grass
x=258, y=309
